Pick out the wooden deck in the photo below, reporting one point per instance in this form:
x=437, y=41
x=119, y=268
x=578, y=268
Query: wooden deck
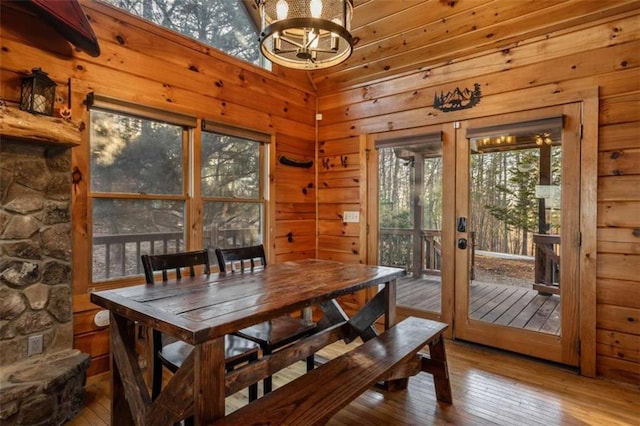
x=499, y=304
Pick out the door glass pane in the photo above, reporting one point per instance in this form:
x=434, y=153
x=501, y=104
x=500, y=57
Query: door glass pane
x=410, y=215
x=515, y=228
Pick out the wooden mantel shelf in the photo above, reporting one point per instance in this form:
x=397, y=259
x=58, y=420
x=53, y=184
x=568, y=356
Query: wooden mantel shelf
x=33, y=128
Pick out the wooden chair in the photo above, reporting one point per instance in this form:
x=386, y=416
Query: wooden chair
x=273, y=334
x=172, y=354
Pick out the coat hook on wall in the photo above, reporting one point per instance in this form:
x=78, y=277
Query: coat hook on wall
x=295, y=163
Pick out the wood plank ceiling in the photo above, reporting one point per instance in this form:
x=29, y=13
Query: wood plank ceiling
x=394, y=37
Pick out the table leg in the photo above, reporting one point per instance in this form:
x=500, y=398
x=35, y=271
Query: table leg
x=120, y=411
x=209, y=377
x=128, y=403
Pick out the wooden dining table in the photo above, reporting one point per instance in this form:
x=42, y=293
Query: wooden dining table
x=201, y=310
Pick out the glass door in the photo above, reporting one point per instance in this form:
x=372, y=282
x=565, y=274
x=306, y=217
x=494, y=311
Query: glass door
x=415, y=172
x=517, y=232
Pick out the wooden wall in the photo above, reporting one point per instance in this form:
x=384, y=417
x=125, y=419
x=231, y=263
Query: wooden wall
x=295, y=197
x=602, y=54
x=144, y=64
x=342, y=187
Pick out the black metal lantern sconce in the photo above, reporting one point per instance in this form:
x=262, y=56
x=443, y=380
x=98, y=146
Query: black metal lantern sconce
x=38, y=93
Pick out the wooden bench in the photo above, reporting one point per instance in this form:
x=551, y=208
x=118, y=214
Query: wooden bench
x=316, y=396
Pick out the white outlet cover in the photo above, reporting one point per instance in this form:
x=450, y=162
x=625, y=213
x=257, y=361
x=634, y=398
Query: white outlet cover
x=101, y=319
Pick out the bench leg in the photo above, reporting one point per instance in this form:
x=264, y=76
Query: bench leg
x=253, y=392
x=395, y=384
x=267, y=385
x=311, y=362
x=441, y=373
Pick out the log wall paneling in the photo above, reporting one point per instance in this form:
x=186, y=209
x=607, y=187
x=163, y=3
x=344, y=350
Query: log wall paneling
x=88, y=337
x=619, y=136
x=339, y=186
x=295, y=210
x=541, y=68
x=342, y=187
x=618, y=213
x=616, y=163
x=624, y=346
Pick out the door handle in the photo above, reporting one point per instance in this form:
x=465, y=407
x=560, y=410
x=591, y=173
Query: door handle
x=462, y=224
x=462, y=243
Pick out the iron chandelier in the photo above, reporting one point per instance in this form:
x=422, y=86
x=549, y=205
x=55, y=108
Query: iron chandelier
x=306, y=34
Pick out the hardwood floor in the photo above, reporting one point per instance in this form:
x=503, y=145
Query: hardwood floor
x=489, y=388
x=495, y=303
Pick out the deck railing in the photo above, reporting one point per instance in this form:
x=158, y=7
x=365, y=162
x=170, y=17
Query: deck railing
x=127, y=248
x=118, y=255
x=547, y=263
x=396, y=249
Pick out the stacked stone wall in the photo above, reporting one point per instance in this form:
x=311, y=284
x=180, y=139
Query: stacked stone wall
x=35, y=249
x=36, y=287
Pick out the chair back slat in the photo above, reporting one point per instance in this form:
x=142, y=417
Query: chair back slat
x=241, y=255
x=177, y=261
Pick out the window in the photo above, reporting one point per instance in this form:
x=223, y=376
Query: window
x=233, y=196
x=140, y=186
x=223, y=24
x=137, y=189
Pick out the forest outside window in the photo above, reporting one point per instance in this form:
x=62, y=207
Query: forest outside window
x=138, y=191
x=148, y=190
x=223, y=24
x=233, y=187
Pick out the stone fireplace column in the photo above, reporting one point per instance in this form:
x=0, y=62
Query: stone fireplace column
x=35, y=244
x=44, y=385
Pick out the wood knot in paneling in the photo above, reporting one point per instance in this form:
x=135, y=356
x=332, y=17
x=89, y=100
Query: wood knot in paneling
x=76, y=176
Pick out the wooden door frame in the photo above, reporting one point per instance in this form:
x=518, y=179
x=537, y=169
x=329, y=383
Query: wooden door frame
x=448, y=203
x=538, y=97
x=561, y=348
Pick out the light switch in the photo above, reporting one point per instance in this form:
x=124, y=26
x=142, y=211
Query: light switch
x=351, y=216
